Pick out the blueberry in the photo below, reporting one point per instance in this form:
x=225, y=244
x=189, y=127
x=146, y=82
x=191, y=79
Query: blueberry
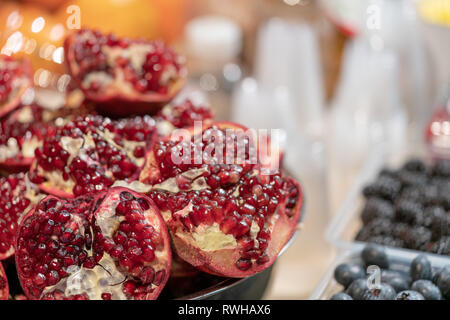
x=385, y=241
x=341, y=296
x=385, y=187
x=427, y=289
x=420, y=268
x=442, y=169
x=379, y=227
x=418, y=238
x=442, y=281
x=415, y=165
x=388, y=172
x=431, y=196
x=375, y=255
x=440, y=222
x=442, y=246
x=384, y=292
x=346, y=273
x=357, y=288
x=412, y=193
x=409, y=295
x=409, y=211
x=410, y=178
x=396, y=279
x=377, y=208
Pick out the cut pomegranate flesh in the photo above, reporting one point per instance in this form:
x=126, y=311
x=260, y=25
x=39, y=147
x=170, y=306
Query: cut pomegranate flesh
x=20, y=134
x=24, y=130
x=226, y=219
x=17, y=196
x=4, y=290
x=199, y=159
x=88, y=154
x=124, y=76
x=235, y=231
x=113, y=246
x=181, y=115
x=15, y=79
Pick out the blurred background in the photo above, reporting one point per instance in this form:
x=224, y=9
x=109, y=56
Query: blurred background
x=340, y=77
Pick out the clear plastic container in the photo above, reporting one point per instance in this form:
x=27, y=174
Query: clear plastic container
x=346, y=223
x=400, y=260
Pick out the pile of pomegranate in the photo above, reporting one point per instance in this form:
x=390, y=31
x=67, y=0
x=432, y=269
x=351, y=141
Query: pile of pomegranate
x=94, y=202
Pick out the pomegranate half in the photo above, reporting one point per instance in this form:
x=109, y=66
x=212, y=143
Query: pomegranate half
x=15, y=80
x=88, y=154
x=124, y=76
x=230, y=219
x=17, y=197
x=113, y=246
x=4, y=290
x=130, y=232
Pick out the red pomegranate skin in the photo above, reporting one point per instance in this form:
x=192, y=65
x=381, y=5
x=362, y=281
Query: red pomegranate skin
x=124, y=76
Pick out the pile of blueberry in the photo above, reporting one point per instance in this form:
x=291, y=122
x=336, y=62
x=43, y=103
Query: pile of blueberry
x=420, y=284
x=409, y=208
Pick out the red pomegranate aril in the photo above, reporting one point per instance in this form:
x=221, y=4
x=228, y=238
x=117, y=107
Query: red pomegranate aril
x=106, y=296
x=183, y=115
x=244, y=264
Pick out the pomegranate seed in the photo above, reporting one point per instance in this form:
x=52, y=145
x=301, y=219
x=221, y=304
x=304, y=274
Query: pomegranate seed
x=106, y=296
x=243, y=264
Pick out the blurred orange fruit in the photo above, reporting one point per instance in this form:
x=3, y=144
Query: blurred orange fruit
x=130, y=18
x=49, y=4
x=28, y=30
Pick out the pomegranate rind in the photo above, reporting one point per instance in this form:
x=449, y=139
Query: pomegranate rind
x=181, y=269
x=161, y=227
x=4, y=288
x=16, y=101
x=118, y=104
x=222, y=262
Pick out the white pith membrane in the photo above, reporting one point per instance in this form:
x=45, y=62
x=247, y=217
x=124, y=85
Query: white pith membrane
x=136, y=55
x=31, y=193
x=78, y=147
x=164, y=127
x=10, y=150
